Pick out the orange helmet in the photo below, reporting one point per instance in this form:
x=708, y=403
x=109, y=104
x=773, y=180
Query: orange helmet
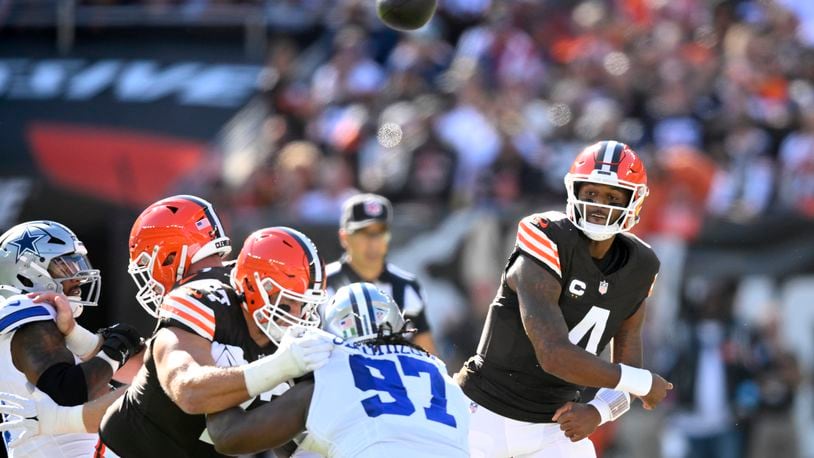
x=166, y=238
x=610, y=163
x=277, y=263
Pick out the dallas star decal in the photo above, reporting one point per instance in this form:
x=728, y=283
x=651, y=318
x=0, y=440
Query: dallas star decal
x=26, y=242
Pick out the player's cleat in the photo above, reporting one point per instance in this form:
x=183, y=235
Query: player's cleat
x=405, y=15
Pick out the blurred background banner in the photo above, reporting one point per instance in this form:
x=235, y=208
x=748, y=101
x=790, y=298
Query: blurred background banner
x=273, y=109
x=120, y=106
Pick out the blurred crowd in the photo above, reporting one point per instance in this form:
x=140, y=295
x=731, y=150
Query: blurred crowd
x=494, y=98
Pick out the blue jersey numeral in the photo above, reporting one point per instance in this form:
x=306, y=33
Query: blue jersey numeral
x=388, y=380
x=437, y=411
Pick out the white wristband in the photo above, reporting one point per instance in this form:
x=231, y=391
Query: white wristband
x=634, y=380
x=611, y=404
x=113, y=363
x=82, y=342
x=264, y=374
x=66, y=420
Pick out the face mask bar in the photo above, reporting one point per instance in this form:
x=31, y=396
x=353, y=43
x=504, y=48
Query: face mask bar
x=150, y=292
x=76, y=268
x=578, y=209
x=273, y=320
x=611, y=225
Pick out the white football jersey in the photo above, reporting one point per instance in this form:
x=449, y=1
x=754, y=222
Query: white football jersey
x=389, y=401
x=15, y=312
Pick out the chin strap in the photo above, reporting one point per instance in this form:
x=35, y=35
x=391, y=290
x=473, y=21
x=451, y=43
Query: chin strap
x=598, y=233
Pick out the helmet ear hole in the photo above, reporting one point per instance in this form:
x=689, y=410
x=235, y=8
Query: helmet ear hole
x=25, y=281
x=247, y=286
x=169, y=259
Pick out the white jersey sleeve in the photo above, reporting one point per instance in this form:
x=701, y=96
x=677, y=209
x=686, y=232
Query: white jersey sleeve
x=18, y=310
x=387, y=400
x=15, y=312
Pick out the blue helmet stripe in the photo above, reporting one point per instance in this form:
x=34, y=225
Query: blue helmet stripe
x=20, y=315
x=371, y=314
x=355, y=306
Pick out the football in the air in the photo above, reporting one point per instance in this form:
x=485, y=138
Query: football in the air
x=405, y=15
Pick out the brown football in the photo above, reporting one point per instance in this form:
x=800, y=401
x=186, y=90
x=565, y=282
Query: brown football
x=405, y=15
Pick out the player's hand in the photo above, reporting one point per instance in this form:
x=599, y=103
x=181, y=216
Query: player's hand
x=658, y=391
x=65, y=320
x=121, y=341
x=305, y=350
x=20, y=415
x=577, y=420
x=34, y=416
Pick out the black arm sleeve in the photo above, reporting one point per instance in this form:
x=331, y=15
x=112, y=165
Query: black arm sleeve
x=65, y=383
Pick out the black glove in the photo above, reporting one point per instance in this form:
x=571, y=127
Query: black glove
x=121, y=341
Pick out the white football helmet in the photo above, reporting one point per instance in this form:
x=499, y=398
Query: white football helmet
x=361, y=311
x=42, y=256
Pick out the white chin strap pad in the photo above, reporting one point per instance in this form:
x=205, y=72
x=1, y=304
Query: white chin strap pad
x=599, y=232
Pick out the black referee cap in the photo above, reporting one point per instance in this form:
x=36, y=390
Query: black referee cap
x=362, y=210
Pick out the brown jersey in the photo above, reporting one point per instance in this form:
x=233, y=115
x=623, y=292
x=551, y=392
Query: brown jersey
x=145, y=421
x=505, y=376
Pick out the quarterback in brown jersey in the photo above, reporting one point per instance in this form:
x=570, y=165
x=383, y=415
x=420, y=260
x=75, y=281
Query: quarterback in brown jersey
x=573, y=282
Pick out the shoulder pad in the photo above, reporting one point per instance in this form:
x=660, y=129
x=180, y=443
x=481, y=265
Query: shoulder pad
x=193, y=305
x=538, y=236
x=643, y=251
x=635, y=239
x=550, y=215
x=18, y=310
x=204, y=285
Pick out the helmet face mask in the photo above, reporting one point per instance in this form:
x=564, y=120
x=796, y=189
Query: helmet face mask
x=612, y=164
x=361, y=311
x=275, y=315
x=86, y=281
x=46, y=256
x=279, y=271
x=150, y=292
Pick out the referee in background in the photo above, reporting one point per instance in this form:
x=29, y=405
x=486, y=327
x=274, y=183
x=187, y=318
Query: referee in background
x=364, y=232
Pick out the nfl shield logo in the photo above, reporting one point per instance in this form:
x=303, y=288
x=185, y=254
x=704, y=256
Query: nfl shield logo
x=603, y=287
x=373, y=208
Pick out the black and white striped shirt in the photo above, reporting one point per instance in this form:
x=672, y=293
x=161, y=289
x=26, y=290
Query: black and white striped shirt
x=399, y=284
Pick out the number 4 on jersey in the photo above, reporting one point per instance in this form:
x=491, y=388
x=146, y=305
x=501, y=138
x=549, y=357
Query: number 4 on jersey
x=594, y=322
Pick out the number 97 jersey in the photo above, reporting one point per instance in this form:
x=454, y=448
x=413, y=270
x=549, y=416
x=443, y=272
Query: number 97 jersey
x=387, y=400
